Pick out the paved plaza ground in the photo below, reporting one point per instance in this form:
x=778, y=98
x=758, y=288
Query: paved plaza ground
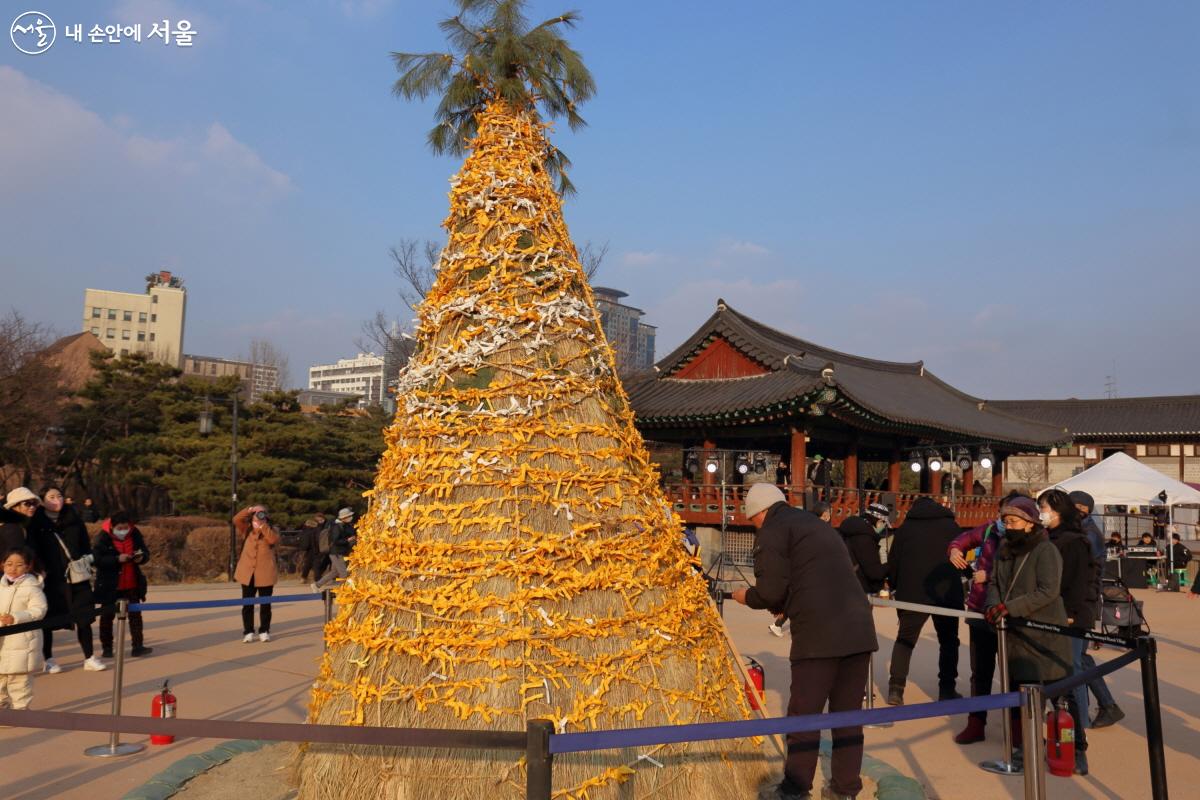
x=217, y=676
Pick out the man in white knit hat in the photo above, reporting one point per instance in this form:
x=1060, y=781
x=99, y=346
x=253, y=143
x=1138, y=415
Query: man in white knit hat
x=802, y=568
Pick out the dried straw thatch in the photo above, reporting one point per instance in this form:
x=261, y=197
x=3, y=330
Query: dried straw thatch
x=518, y=560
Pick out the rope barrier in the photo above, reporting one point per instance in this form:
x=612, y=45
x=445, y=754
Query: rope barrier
x=64, y=620
x=267, y=731
x=237, y=601
x=1065, y=685
x=924, y=609
x=704, y=731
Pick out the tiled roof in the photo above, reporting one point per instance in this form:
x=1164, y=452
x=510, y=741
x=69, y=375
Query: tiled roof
x=889, y=394
x=1177, y=415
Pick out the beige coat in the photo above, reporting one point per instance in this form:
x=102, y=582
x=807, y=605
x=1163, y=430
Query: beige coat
x=22, y=652
x=257, y=562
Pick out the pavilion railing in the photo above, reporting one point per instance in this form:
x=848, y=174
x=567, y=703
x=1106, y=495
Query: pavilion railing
x=705, y=504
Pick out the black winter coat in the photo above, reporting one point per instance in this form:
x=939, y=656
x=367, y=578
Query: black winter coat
x=339, y=539
x=12, y=530
x=801, y=567
x=863, y=545
x=108, y=567
x=918, y=568
x=61, y=597
x=1080, y=587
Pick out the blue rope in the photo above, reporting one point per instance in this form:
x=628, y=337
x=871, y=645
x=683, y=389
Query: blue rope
x=241, y=601
x=1100, y=670
x=669, y=734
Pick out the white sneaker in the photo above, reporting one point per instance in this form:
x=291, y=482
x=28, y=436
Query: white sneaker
x=52, y=666
x=264, y=637
x=315, y=589
x=94, y=664
x=249, y=637
x=775, y=629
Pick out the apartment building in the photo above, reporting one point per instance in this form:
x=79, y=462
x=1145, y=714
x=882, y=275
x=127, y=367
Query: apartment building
x=150, y=322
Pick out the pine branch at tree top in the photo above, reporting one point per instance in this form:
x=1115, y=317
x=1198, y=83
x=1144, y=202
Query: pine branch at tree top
x=496, y=55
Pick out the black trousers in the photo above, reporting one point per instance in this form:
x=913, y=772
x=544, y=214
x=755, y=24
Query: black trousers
x=911, y=623
x=984, y=649
x=83, y=628
x=136, y=629
x=838, y=682
x=264, y=610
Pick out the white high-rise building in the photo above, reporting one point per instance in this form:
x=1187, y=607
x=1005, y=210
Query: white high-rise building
x=362, y=375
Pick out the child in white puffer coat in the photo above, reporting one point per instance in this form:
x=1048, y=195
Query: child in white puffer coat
x=21, y=600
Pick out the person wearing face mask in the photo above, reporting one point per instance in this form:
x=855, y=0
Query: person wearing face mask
x=1025, y=582
x=120, y=552
x=59, y=538
x=860, y=533
x=984, y=644
x=21, y=600
x=1080, y=594
x=256, y=569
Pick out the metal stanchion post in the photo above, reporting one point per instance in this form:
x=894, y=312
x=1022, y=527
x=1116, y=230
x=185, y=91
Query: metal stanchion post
x=538, y=760
x=871, y=694
x=115, y=747
x=327, y=598
x=1035, y=747
x=1148, y=654
x=1005, y=765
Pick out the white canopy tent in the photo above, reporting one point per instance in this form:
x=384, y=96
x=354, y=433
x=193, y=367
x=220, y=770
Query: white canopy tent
x=1123, y=481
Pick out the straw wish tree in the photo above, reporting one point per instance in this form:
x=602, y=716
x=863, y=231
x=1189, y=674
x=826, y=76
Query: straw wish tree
x=518, y=560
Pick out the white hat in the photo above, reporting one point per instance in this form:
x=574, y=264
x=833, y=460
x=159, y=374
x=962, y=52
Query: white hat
x=20, y=495
x=345, y=513
x=761, y=497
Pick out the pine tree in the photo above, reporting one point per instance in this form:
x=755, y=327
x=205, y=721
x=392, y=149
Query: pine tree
x=518, y=560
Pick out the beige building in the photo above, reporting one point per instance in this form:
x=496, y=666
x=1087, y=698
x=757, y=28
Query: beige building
x=150, y=322
x=257, y=379
x=631, y=339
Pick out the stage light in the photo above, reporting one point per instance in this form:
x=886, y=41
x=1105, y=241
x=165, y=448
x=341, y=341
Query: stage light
x=964, y=460
x=915, y=463
x=985, y=457
x=692, y=463
x=760, y=463
x=743, y=464
x=935, y=461
x=712, y=465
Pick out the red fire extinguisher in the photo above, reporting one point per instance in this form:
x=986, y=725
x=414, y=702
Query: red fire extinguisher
x=758, y=678
x=1060, y=741
x=162, y=707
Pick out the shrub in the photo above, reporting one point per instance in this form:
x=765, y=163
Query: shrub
x=205, y=555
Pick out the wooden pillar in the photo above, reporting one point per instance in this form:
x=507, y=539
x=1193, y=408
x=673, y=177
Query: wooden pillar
x=968, y=480
x=798, y=463
x=998, y=463
x=894, y=468
x=850, y=467
x=935, y=480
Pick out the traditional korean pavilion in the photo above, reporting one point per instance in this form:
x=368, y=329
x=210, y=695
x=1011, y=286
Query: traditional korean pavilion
x=747, y=392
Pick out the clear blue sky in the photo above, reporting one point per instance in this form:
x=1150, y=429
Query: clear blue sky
x=1009, y=191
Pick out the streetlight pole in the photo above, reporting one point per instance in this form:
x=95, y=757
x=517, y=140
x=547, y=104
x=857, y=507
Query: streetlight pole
x=233, y=503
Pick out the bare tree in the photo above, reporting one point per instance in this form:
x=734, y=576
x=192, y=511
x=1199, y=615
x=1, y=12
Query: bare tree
x=1029, y=471
x=265, y=353
x=29, y=401
x=591, y=257
x=416, y=271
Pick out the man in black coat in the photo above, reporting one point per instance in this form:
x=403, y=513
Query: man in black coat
x=919, y=573
x=802, y=568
